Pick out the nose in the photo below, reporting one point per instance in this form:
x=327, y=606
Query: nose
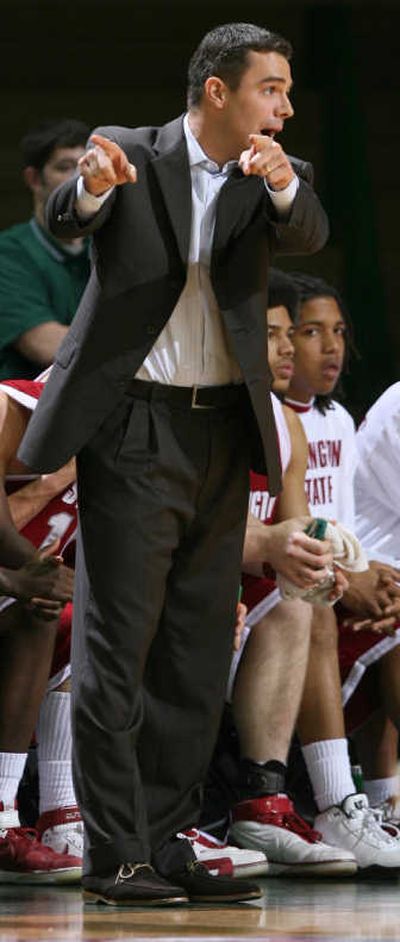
x=332, y=341
x=286, y=346
x=286, y=109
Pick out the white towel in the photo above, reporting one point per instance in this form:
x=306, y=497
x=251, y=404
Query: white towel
x=347, y=553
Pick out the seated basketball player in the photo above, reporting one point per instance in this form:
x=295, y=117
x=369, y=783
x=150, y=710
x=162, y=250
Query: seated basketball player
x=39, y=511
x=268, y=691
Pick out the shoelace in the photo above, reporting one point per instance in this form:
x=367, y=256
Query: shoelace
x=388, y=814
x=384, y=821
x=372, y=825
x=293, y=822
x=128, y=870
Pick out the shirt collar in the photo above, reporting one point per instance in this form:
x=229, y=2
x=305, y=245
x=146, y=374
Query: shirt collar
x=198, y=157
x=299, y=407
x=59, y=252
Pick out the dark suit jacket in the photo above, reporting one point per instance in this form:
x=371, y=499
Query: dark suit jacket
x=141, y=239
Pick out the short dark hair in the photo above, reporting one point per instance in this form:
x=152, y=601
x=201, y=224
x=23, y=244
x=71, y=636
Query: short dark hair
x=282, y=292
x=39, y=142
x=308, y=288
x=224, y=52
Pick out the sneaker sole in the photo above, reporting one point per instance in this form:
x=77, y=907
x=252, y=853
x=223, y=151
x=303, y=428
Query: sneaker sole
x=70, y=875
x=333, y=868
x=251, y=870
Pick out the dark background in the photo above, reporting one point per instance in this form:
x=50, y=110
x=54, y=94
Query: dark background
x=124, y=61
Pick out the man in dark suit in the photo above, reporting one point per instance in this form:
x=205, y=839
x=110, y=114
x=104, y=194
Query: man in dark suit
x=162, y=390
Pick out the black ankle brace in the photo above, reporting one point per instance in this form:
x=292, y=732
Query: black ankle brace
x=256, y=780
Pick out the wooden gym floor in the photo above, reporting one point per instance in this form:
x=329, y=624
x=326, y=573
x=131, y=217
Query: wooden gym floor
x=290, y=911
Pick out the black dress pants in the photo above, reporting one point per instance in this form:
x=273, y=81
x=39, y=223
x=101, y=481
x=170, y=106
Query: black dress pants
x=163, y=492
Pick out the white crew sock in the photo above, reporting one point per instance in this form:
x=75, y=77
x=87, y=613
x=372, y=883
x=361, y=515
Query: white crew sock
x=380, y=789
x=56, y=789
x=12, y=765
x=328, y=766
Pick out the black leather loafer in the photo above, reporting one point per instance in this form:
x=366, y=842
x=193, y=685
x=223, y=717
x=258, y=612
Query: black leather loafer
x=132, y=885
x=202, y=887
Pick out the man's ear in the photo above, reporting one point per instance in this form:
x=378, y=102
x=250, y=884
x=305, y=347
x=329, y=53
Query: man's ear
x=32, y=178
x=215, y=91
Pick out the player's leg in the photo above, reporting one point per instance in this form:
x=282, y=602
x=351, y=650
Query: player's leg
x=377, y=742
x=266, y=697
x=26, y=643
x=344, y=818
x=59, y=823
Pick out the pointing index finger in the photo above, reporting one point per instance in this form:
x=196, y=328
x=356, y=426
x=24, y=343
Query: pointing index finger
x=104, y=142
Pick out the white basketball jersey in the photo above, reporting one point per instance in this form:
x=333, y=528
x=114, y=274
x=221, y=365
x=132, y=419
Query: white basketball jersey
x=332, y=459
x=377, y=480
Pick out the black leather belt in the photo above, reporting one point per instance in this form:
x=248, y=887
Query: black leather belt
x=191, y=397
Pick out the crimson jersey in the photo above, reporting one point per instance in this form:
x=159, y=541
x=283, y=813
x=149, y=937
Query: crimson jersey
x=57, y=520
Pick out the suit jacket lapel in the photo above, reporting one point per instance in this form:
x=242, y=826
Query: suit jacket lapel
x=237, y=202
x=172, y=169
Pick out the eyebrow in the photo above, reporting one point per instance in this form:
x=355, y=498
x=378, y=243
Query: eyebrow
x=275, y=78
x=316, y=323
x=278, y=327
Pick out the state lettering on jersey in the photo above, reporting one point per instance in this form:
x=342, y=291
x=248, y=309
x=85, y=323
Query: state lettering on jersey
x=70, y=496
x=261, y=504
x=319, y=490
x=324, y=454
x=332, y=459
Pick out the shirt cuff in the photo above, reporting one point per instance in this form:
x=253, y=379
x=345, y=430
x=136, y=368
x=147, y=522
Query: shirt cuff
x=86, y=203
x=283, y=199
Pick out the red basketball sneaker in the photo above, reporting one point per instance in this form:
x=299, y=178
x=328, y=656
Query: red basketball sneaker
x=62, y=830
x=24, y=859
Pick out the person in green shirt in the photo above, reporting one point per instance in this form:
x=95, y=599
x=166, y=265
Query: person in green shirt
x=41, y=278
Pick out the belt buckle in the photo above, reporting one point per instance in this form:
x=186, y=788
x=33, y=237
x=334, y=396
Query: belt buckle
x=194, y=403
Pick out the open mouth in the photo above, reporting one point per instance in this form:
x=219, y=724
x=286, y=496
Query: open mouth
x=267, y=132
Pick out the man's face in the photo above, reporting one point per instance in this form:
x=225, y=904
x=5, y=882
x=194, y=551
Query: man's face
x=260, y=105
x=60, y=166
x=280, y=348
x=319, y=342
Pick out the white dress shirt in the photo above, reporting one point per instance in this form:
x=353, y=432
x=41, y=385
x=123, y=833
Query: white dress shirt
x=193, y=349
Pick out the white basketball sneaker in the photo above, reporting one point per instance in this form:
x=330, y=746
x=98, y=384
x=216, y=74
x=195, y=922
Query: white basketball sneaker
x=292, y=847
x=355, y=826
x=387, y=816
x=222, y=859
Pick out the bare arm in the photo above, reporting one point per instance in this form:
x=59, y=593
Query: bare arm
x=293, y=501
x=284, y=545
x=373, y=599
x=15, y=550
x=25, y=572
x=40, y=344
x=29, y=500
